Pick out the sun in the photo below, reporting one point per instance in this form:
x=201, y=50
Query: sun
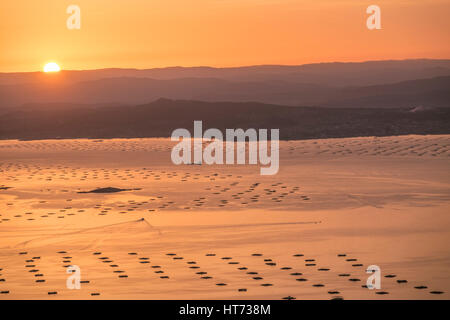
x=51, y=67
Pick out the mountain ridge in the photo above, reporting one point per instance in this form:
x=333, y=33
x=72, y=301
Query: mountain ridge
x=160, y=117
x=432, y=92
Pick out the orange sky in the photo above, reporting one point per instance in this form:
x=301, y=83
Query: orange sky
x=158, y=33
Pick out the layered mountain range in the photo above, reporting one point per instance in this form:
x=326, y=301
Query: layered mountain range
x=308, y=101
x=366, y=84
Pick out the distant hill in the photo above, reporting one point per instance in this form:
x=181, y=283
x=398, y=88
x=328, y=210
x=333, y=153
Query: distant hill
x=329, y=74
x=363, y=84
x=161, y=117
x=434, y=92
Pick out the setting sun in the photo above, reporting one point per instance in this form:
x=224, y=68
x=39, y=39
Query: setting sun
x=51, y=67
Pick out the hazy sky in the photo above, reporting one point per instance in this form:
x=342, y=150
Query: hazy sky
x=158, y=33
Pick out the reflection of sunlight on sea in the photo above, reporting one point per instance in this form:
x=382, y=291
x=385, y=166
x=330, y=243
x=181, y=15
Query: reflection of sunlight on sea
x=325, y=200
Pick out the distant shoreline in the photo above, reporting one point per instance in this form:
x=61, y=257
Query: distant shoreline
x=167, y=138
